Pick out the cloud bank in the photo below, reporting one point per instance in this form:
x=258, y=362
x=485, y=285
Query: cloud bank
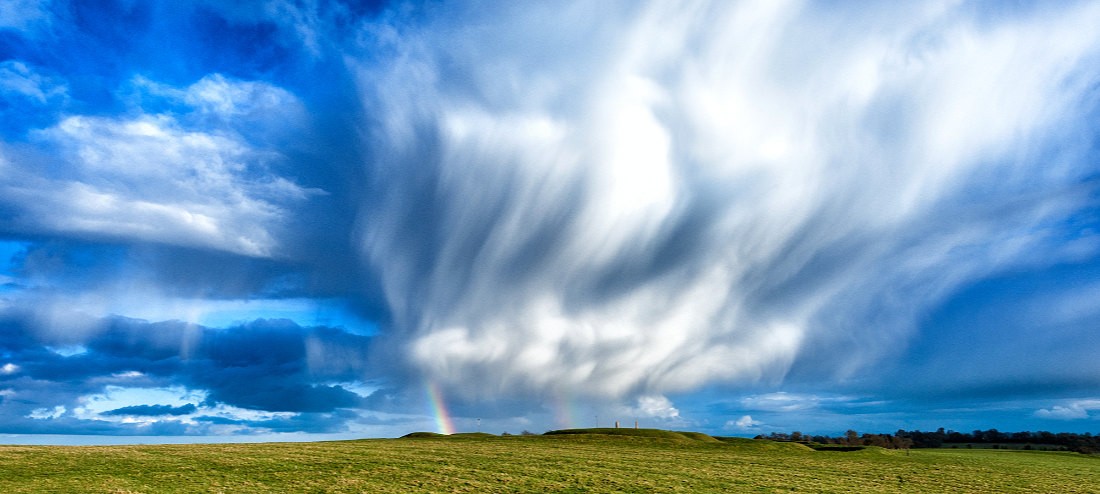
x=264, y=376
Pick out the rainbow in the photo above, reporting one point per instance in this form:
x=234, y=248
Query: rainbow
x=439, y=409
x=563, y=410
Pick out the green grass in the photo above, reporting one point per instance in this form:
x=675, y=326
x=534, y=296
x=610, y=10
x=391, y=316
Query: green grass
x=603, y=460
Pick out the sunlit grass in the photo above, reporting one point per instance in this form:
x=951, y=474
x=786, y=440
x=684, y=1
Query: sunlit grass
x=557, y=463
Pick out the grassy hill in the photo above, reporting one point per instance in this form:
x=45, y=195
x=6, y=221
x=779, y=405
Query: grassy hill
x=579, y=460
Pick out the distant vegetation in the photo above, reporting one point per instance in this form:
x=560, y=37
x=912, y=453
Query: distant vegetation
x=578, y=460
x=993, y=439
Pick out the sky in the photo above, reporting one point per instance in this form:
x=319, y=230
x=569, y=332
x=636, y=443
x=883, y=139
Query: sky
x=304, y=219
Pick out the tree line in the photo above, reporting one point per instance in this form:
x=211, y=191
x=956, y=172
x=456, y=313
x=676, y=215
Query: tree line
x=1063, y=441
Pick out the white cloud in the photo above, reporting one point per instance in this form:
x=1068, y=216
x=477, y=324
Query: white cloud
x=745, y=423
x=220, y=96
x=249, y=108
x=153, y=178
x=47, y=413
x=671, y=196
x=128, y=375
x=19, y=79
x=9, y=368
x=781, y=402
x=784, y=402
x=66, y=312
x=231, y=412
x=24, y=15
x=67, y=350
x=655, y=407
x=92, y=407
x=1071, y=411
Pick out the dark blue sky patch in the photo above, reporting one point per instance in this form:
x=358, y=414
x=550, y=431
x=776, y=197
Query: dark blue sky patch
x=246, y=50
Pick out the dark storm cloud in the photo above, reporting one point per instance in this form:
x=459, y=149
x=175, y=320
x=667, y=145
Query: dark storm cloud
x=265, y=365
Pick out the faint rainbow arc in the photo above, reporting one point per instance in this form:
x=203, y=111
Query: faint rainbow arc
x=564, y=412
x=443, y=420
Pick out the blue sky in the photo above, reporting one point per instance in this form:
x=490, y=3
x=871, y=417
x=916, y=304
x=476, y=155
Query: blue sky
x=319, y=219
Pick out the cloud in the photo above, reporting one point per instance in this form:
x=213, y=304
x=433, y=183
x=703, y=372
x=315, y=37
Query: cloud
x=153, y=410
x=783, y=402
x=151, y=178
x=24, y=15
x=18, y=79
x=256, y=372
x=30, y=96
x=655, y=407
x=47, y=413
x=1072, y=411
x=745, y=423
x=221, y=104
x=671, y=197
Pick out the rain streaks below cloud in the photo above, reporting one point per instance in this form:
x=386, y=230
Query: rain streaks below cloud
x=672, y=196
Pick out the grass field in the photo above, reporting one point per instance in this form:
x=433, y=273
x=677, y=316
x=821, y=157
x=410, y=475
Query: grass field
x=651, y=461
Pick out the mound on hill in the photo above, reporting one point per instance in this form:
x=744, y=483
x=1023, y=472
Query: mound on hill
x=650, y=433
x=422, y=435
